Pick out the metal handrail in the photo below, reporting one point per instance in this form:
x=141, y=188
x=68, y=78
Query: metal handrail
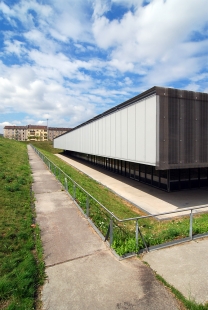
x=111, y=214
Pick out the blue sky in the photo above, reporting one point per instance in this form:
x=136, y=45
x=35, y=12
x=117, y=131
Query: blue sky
x=69, y=60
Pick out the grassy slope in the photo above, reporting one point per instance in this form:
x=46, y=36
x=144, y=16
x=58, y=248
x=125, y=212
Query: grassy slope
x=20, y=245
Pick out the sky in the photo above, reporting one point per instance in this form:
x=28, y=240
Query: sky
x=64, y=61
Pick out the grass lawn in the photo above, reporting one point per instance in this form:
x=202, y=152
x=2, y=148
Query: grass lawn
x=21, y=264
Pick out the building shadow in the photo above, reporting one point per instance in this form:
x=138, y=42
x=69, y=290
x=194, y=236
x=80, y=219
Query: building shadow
x=180, y=199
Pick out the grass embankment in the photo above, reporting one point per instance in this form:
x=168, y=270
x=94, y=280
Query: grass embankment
x=154, y=231
x=21, y=264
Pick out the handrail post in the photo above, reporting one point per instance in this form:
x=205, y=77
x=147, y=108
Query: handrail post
x=137, y=233
x=111, y=231
x=74, y=191
x=87, y=206
x=191, y=225
x=66, y=185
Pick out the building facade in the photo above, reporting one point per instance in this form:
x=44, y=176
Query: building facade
x=159, y=137
x=15, y=132
x=33, y=132
x=54, y=132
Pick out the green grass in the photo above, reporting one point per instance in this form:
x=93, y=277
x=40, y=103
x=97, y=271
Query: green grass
x=154, y=232
x=21, y=263
x=45, y=145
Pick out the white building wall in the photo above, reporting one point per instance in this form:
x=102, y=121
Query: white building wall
x=127, y=134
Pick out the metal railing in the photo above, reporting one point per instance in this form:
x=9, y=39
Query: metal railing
x=111, y=227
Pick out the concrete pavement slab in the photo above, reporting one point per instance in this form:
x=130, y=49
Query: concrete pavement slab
x=36, y=164
x=185, y=267
x=65, y=236
x=102, y=282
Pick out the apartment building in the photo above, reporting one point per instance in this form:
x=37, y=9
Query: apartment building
x=16, y=132
x=33, y=132
x=54, y=132
x=37, y=133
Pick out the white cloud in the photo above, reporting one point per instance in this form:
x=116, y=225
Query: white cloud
x=23, y=12
x=38, y=38
x=15, y=47
x=71, y=19
x=100, y=7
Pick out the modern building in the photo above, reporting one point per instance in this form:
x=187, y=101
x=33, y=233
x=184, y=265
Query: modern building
x=33, y=132
x=159, y=137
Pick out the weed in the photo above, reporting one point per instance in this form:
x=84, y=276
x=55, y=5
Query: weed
x=189, y=304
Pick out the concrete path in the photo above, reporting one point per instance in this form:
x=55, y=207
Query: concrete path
x=147, y=198
x=82, y=273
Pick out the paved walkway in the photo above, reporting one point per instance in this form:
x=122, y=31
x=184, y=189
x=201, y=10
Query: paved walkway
x=149, y=199
x=185, y=267
x=82, y=273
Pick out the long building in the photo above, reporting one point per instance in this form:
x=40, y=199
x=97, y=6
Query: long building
x=33, y=132
x=159, y=137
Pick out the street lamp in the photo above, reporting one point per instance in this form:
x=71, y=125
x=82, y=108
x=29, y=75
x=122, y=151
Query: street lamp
x=47, y=129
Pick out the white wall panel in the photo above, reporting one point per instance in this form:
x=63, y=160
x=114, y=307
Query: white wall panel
x=118, y=134
x=76, y=140
x=131, y=134
x=150, y=130
x=93, y=135
x=90, y=138
x=140, y=131
x=104, y=136
x=100, y=138
x=113, y=135
x=127, y=134
x=107, y=136
x=85, y=139
x=124, y=133
x=80, y=141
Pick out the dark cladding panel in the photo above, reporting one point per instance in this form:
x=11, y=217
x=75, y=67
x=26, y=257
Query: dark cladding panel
x=163, y=127
x=183, y=129
x=203, y=131
x=174, y=122
x=187, y=131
